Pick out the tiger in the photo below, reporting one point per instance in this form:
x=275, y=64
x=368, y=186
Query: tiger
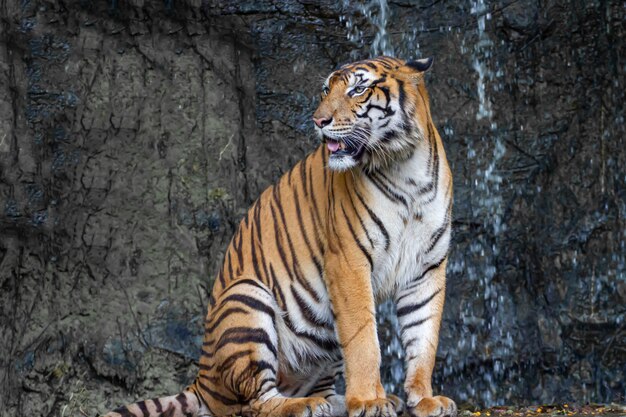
x=364, y=218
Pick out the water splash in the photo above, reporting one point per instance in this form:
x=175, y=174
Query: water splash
x=367, y=16
x=491, y=339
x=481, y=56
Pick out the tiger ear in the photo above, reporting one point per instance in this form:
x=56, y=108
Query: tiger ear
x=421, y=65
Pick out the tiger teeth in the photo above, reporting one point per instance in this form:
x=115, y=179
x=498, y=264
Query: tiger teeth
x=342, y=146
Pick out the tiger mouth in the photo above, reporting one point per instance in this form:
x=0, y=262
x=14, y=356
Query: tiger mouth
x=340, y=148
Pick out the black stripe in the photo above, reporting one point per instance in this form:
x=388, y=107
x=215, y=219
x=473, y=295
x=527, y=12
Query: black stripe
x=433, y=266
x=325, y=380
x=432, y=159
x=374, y=217
x=434, y=239
x=389, y=135
x=243, y=335
x=279, y=246
x=367, y=234
x=289, y=176
x=255, y=260
x=251, y=302
x=324, y=344
x=384, y=64
x=182, y=399
x=427, y=188
x=238, y=250
x=415, y=323
x=408, y=291
x=316, y=212
x=259, y=366
x=407, y=343
x=205, y=367
x=208, y=354
x=217, y=321
x=356, y=239
x=411, y=308
x=385, y=91
x=214, y=378
x=257, y=222
x=278, y=292
x=306, y=310
x=324, y=171
x=387, y=111
x=415, y=281
x=390, y=184
x=157, y=404
x=219, y=397
x=435, y=165
x=233, y=358
x=261, y=384
x=387, y=193
x=144, y=408
x=316, y=261
x=401, y=96
x=241, y=382
x=220, y=278
x=246, y=218
x=303, y=175
x=365, y=99
x=248, y=281
x=321, y=388
x=230, y=267
x=294, y=258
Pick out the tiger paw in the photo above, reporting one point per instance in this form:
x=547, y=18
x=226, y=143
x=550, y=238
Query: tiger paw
x=434, y=407
x=380, y=407
x=304, y=407
x=398, y=404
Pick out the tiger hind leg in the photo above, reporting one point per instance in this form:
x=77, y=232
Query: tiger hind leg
x=325, y=387
x=240, y=357
x=185, y=404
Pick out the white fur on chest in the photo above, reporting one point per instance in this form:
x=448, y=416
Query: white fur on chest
x=408, y=255
x=411, y=231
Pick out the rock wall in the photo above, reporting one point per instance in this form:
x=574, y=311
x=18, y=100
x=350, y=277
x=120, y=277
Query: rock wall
x=134, y=135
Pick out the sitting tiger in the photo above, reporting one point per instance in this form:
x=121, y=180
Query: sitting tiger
x=363, y=218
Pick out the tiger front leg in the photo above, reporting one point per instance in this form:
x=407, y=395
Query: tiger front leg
x=349, y=285
x=419, y=308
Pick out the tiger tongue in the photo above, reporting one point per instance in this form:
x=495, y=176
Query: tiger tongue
x=332, y=145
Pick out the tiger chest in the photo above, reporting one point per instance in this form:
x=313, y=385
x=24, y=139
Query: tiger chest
x=418, y=238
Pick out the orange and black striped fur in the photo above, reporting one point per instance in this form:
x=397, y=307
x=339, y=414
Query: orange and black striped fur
x=363, y=218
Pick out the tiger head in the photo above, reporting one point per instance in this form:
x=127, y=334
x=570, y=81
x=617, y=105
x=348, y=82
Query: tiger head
x=373, y=112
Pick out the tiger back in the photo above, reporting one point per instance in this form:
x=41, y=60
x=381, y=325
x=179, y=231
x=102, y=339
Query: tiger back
x=364, y=218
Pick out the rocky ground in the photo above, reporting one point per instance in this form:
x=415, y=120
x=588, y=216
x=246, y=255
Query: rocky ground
x=552, y=410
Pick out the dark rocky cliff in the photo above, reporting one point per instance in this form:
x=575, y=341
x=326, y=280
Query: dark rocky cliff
x=134, y=135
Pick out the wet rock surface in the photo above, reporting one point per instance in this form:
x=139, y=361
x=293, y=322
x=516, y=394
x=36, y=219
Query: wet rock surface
x=134, y=135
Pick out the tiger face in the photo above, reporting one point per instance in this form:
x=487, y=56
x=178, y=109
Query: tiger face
x=370, y=112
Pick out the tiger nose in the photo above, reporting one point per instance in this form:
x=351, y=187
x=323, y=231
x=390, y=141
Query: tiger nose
x=322, y=121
